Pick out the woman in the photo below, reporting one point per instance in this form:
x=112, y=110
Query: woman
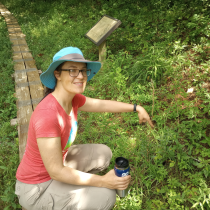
x=53, y=175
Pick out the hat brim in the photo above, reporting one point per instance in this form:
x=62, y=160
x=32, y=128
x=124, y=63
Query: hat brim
x=49, y=80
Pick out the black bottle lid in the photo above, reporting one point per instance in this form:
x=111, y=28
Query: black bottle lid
x=121, y=162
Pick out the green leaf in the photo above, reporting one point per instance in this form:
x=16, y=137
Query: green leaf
x=171, y=164
x=3, y=167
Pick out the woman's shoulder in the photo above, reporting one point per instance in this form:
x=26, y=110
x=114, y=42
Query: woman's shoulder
x=48, y=102
x=46, y=109
x=78, y=100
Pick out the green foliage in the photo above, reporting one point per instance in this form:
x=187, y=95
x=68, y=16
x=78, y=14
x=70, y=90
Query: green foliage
x=9, y=158
x=163, y=41
x=8, y=108
x=150, y=65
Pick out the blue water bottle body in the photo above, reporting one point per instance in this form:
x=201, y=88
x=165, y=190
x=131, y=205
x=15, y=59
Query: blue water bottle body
x=122, y=169
x=122, y=172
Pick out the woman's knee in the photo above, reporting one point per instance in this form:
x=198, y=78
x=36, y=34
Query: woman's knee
x=103, y=151
x=88, y=157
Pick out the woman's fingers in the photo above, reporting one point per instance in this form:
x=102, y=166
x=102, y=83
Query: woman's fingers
x=151, y=124
x=123, y=182
x=112, y=181
x=149, y=121
x=122, y=187
x=144, y=117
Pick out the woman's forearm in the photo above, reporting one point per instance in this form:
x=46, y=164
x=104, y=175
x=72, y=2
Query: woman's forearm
x=72, y=176
x=115, y=106
x=75, y=177
x=97, y=105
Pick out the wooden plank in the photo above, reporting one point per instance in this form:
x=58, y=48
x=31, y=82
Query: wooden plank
x=36, y=91
x=11, y=22
x=16, y=48
x=14, y=122
x=5, y=15
x=8, y=16
x=17, y=56
x=21, y=77
x=33, y=76
x=18, y=30
x=24, y=48
x=19, y=66
x=36, y=88
x=20, y=35
x=3, y=11
x=11, y=30
x=22, y=95
x=24, y=114
x=22, y=136
x=30, y=64
x=12, y=36
x=10, y=19
x=22, y=41
x=27, y=55
x=13, y=26
x=14, y=42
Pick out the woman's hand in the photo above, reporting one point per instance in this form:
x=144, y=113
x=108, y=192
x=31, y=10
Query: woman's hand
x=111, y=181
x=143, y=116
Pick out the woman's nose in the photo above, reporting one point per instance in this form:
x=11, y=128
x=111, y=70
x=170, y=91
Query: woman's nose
x=80, y=75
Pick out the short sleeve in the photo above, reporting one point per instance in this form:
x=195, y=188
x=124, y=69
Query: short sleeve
x=79, y=100
x=46, y=123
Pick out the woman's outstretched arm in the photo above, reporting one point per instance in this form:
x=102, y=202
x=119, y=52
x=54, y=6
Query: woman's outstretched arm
x=97, y=105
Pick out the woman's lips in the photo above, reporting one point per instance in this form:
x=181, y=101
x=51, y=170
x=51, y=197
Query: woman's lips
x=79, y=83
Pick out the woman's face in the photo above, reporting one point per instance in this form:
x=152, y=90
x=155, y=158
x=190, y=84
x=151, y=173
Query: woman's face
x=75, y=85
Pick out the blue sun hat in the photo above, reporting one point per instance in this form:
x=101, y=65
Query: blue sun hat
x=67, y=54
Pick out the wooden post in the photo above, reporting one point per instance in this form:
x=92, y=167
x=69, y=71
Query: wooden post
x=102, y=51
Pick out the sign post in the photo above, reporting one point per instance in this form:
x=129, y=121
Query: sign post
x=100, y=31
x=102, y=51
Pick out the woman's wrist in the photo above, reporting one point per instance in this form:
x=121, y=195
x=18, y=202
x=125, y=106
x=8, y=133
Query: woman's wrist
x=97, y=181
x=139, y=108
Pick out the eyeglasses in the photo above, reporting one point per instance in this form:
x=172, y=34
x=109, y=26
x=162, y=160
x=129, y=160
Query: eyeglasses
x=75, y=72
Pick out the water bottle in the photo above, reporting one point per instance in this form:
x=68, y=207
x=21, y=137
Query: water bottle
x=122, y=169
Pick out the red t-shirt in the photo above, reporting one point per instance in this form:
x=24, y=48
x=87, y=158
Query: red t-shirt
x=49, y=119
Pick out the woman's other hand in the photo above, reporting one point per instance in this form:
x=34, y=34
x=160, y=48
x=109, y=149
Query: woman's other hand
x=111, y=181
x=143, y=116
